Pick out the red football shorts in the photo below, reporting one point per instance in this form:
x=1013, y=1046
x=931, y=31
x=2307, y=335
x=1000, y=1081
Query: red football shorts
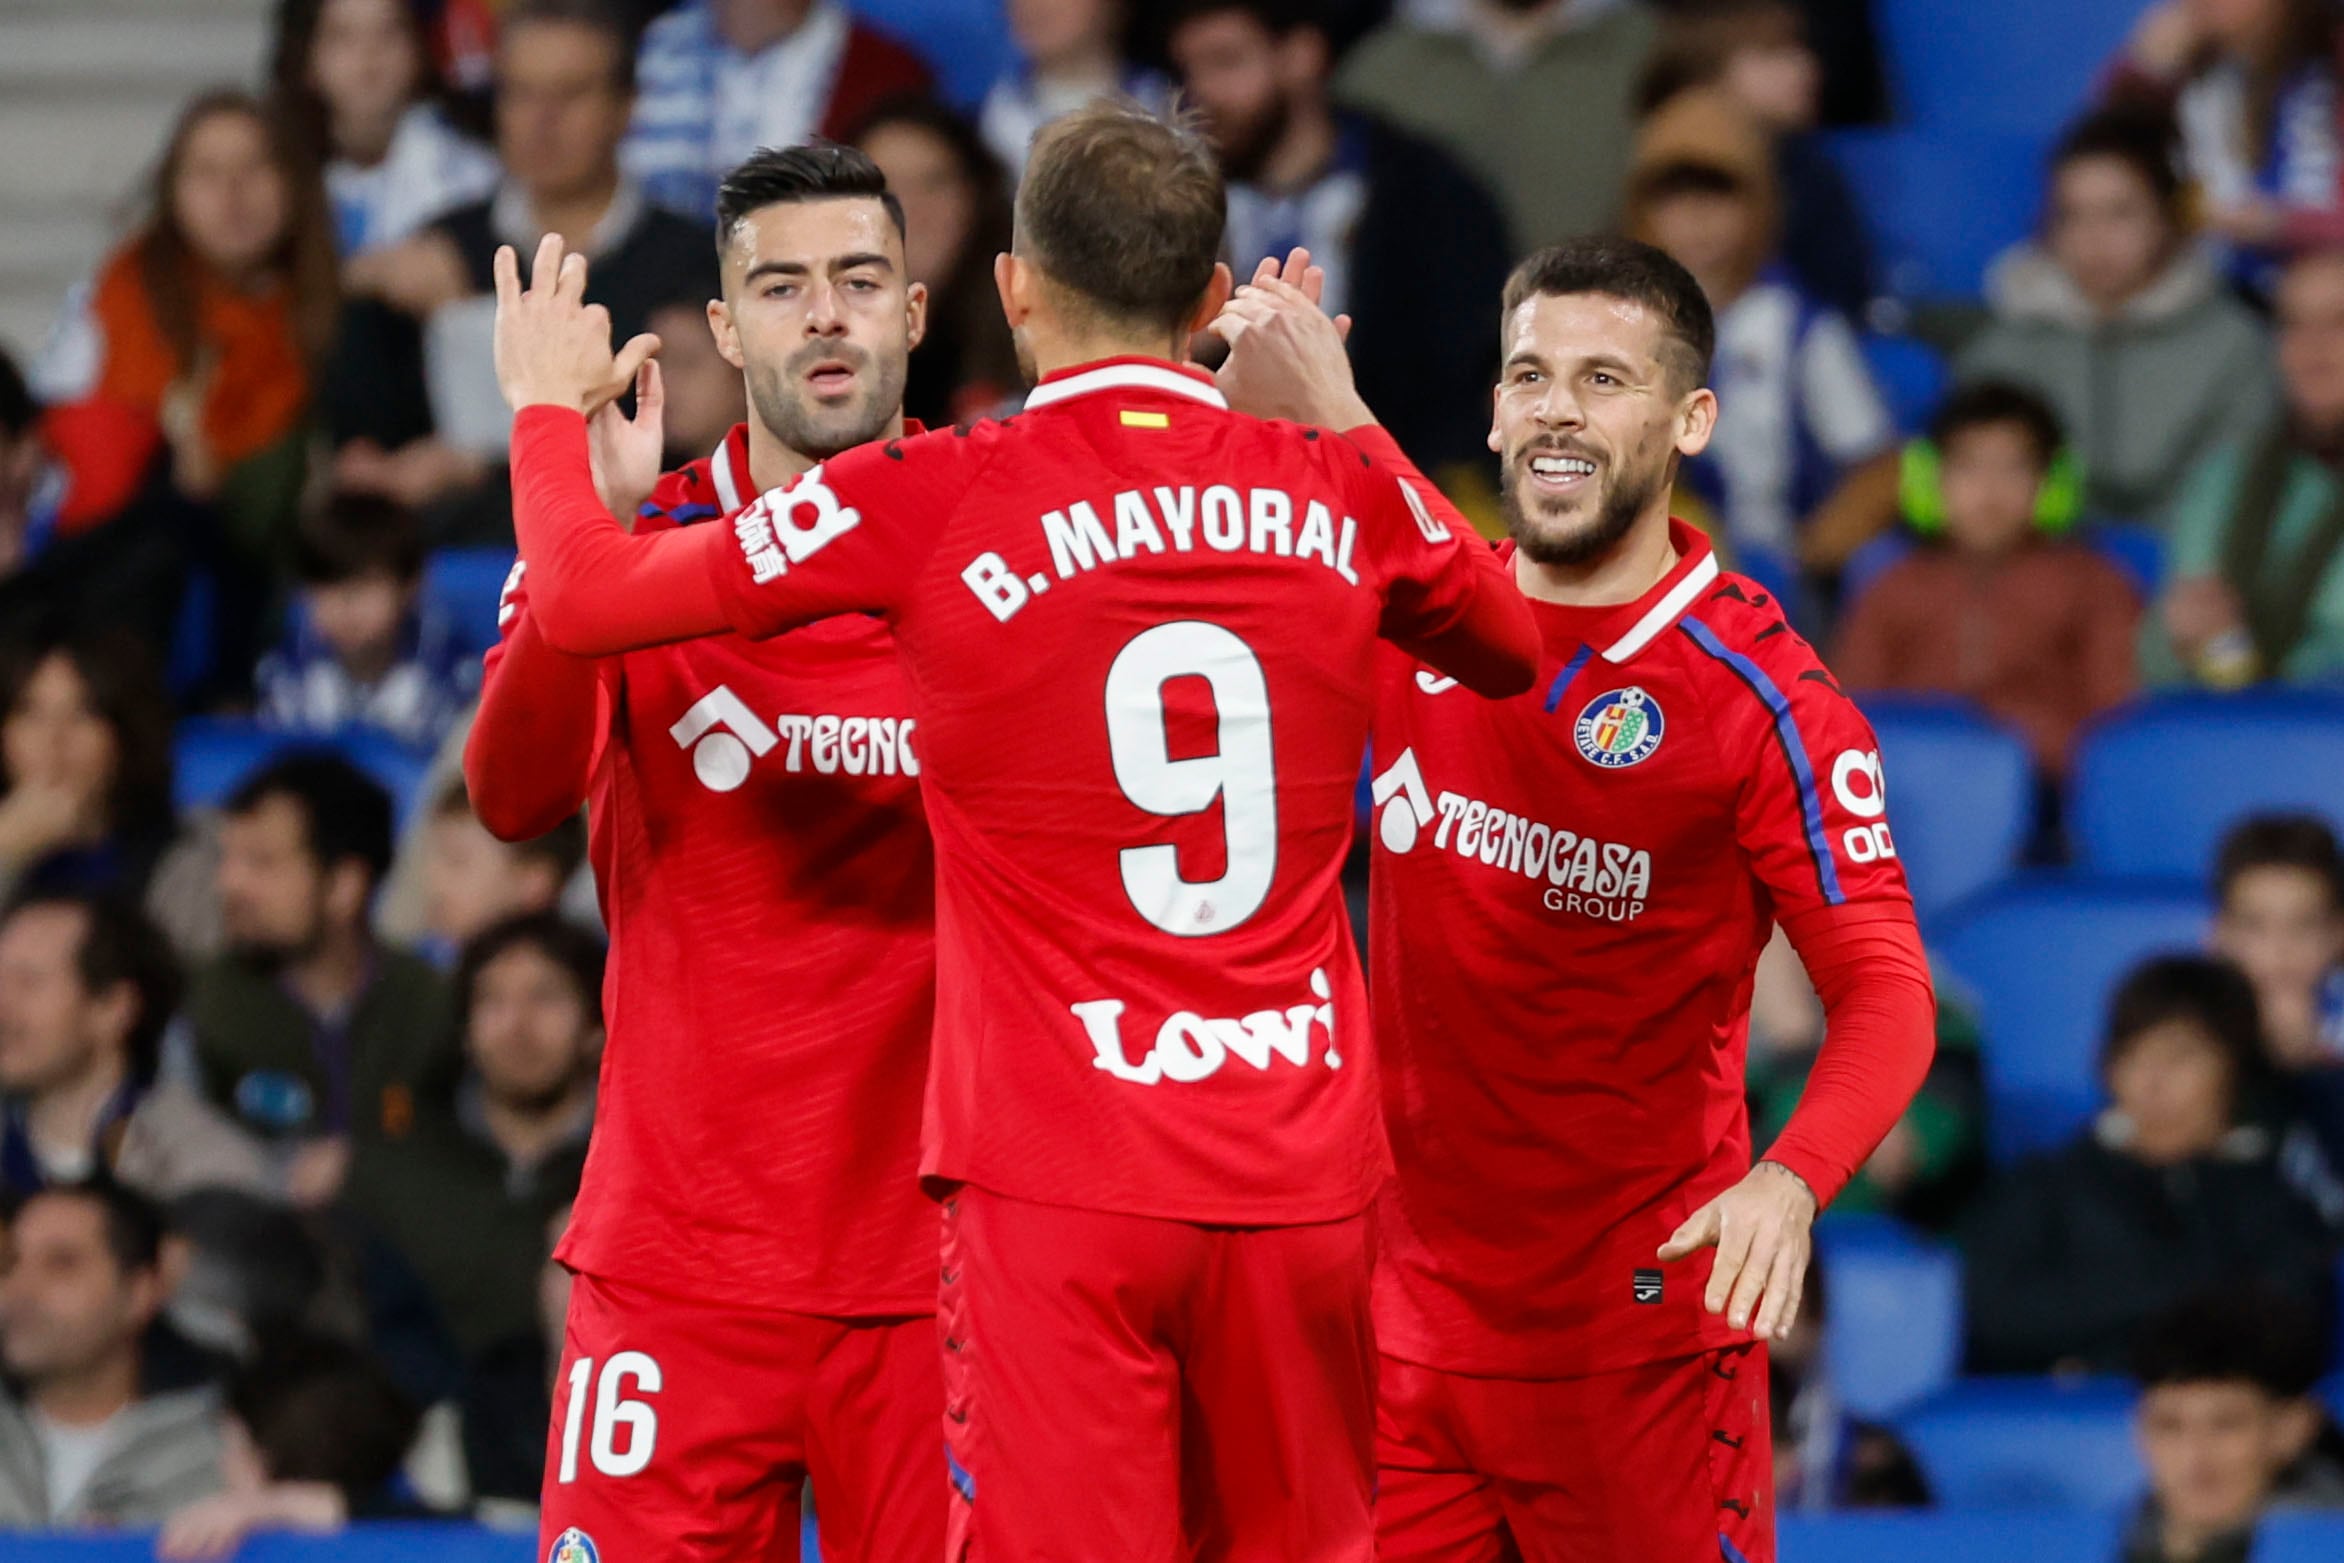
x=1671, y=1462
x=685, y=1431
x=1126, y=1390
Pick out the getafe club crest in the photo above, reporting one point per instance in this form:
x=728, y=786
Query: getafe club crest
x=573, y=1546
x=1619, y=729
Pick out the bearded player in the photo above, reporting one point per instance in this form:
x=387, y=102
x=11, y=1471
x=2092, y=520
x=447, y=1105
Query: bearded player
x=1579, y=1266
x=756, y=1265
x=1138, y=628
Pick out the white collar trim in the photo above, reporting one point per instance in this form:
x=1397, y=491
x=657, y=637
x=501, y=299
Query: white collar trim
x=728, y=487
x=1664, y=612
x=1125, y=377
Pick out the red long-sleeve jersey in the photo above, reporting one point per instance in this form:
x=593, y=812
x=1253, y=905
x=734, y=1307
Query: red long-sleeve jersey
x=1571, y=888
x=766, y=873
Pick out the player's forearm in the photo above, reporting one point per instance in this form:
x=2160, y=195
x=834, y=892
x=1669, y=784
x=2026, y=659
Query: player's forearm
x=594, y=588
x=1879, y=1036
x=531, y=746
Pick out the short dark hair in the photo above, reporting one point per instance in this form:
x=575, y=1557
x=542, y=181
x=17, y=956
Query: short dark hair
x=321, y=1410
x=1275, y=17
x=2141, y=139
x=2000, y=402
x=119, y=945
x=2301, y=841
x=345, y=813
x=1124, y=211
x=577, y=952
x=2202, y=990
x=2254, y=1335
x=562, y=848
x=1639, y=274
x=790, y=176
x=134, y=1226
x=1699, y=39
x=350, y=536
x=125, y=683
x=603, y=16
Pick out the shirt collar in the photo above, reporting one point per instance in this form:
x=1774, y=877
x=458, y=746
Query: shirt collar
x=1619, y=633
x=728, y=465
x=1126, y=374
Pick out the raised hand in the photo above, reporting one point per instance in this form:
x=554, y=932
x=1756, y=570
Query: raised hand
x=552, y=347
x=624, y=452
x=1286, y=358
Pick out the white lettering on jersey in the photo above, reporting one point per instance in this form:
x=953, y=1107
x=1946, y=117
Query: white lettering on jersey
x=1862, y=789
x=724, y=736
x=1190, y=1047
x=1606, y=880
x=769, y=534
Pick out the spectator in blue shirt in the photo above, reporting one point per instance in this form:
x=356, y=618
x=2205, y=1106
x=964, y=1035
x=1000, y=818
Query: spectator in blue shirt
x=1069, y=52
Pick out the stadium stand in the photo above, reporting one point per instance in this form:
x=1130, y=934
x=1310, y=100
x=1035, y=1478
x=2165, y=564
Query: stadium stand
x=211, y=755
x=2027, y=1443
x=1961, y=800
x=1895, y=1332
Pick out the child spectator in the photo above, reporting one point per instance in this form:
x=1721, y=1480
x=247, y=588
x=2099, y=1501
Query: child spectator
x=2254, y=86
x=191, y=355
x=315, y=1431
x=2124, y=324
x=360, y=73
x=1069, y=52
x=1997, y=607
x=2228, y=1427
x=1803, y=466
x=364, y=649
x=2171, y=1194
x=2255, y=547
x=956, y=217
x=472, y=880
x=2279, y=915
x=1757, y=51
x=85, y=760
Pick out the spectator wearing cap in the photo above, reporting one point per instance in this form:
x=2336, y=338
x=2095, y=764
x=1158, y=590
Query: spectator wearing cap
x=315, y=1432
x=1998, y=606
x=2228, y=1427
x=721, y=78
x=460, y=1209
x=2171, y=1193
x=2255, y=544
x=84, y=1443
x=307, y=1030
x=364, y=648
x=87, y=986
x=2124, y=323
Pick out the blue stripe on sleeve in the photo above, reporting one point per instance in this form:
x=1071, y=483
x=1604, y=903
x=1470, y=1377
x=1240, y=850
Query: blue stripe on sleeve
x=961, y=1479
x=1794, y=748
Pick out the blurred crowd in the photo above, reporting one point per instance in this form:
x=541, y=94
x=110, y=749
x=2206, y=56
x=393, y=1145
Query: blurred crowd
x=298, y=1086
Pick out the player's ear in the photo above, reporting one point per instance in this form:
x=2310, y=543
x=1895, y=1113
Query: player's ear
x=1208, y=308
x=1696, y=421
x=1014, y=285
x=720, y=326
x=915, y=313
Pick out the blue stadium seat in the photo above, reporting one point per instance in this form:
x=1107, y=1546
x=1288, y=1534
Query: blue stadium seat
x=465, y=585
x=1892, y=1336
x=2009, y=65
x=211, y=755
x=2136, y=550
x=2041, y=957
x=2027, y=1443
x=2299, y=1538
x=1912, y=377
x=2156, y=786
x=1872, y=561
x=1961, y=797
x=2022, y=1537
x=965, y=45
x=1941, y=203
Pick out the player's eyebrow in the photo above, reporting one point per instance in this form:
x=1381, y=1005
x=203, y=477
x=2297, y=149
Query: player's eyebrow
x=858, y=262
x=1527, y=358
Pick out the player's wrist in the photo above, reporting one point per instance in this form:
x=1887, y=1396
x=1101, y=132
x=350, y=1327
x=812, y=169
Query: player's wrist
x=1797, y=1179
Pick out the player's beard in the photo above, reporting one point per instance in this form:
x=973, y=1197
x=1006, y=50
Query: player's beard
x=1543, y=531
x=792, y=416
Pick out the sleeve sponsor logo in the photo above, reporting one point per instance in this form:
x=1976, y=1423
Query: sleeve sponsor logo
x=772, y=534
x=1862, y=790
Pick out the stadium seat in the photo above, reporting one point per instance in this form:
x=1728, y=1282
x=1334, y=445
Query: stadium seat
x=1872, y=561
x=2299, y=1538
x=2027, y=1443
x=464, y=585
x=1912, y=377
x=211, y=755
x=2041, y=957
x=2024, y=1537
x=1893, y=1310
x=2136, y=550
x=2156, y=786
x=1941, y=203
x=965, y=45
x=2009, y=65
x=1961, y=797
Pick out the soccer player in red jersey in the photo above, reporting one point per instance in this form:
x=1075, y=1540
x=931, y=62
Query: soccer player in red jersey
x=1579, y=1266
x=756, y=1265
x=1138, y=630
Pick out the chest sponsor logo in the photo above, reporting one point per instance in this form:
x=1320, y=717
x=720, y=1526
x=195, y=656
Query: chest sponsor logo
x=1576, y=874
x=787, y=526
x=1189, y=1047
x=726, y=739
x=1619, y=729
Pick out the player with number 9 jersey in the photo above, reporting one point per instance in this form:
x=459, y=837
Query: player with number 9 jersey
x=1139, y=631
